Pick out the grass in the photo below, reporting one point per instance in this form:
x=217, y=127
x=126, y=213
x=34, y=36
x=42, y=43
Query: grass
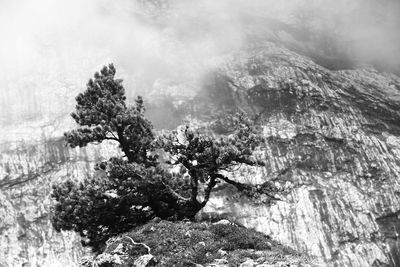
x=186, y=244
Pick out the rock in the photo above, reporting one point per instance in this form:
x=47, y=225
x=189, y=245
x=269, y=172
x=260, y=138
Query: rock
x=260, y=260
x=332, y=141
x=188, y=234
x=156, y=219
x=108, y=259
x=86, y=261
x=222, y=252
x=223, y=221
x=219, y=263
x=145, y=261
x=248, y=263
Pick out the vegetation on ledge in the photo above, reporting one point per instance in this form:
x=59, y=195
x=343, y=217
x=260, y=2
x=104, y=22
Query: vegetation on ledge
x=186, y=243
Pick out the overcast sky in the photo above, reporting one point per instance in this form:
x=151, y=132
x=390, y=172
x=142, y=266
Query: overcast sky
x=53, y=46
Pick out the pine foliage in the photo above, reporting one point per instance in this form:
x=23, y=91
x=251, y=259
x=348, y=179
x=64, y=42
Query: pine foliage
x=102, y=114
x=130, y=190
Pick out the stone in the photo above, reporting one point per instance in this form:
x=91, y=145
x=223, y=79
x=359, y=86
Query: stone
x=145, y=261
x=108, y=259
x=260, y=259
x=219, y=263
x=188, y=234
x=156, y=219
x=223, y=221
x=222, y=252
x=248, y=263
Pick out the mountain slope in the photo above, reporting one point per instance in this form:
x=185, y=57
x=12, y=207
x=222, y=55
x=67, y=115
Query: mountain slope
x=333, y=143
x=333, y=139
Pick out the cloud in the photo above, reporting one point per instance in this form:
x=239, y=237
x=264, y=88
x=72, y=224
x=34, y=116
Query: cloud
x=50, y=48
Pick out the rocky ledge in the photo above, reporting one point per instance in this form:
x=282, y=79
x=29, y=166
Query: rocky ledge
x=224, y=244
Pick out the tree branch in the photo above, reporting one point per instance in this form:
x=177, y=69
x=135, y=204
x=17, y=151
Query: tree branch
x=242, y=187
x=239, y=186
x=111, y=138
x=174, y=192
x=113, y=135
x=207, y=192
x=194, y=184
x=248, y=161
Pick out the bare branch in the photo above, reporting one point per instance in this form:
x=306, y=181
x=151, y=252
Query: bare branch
x=174, y=192
x=238, y=185
x=111, y=138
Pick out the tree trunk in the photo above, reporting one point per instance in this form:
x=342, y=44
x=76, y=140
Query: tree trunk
x=124, y=146
x=173, y=209
x=188, y=209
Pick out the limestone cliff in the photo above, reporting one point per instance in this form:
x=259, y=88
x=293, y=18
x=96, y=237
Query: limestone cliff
x=28, y=171
x=333, y=143
x=333, y=138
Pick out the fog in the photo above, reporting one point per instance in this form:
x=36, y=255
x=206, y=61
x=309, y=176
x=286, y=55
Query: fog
x=49, y=49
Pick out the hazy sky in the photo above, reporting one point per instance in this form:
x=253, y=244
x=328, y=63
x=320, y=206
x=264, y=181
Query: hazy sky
x=49, y=48
x=35, y=31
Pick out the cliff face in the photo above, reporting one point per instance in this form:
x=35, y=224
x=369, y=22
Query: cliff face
x=28, y=171
x=333, y=143
x=333, y=138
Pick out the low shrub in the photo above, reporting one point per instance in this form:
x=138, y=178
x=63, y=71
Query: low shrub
x=234, y=237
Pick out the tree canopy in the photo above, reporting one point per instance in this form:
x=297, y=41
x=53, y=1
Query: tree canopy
x=138, y=186
x=102, y=114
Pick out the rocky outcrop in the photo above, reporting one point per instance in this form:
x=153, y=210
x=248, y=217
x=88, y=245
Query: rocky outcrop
x=122, y=251
x=221, y=244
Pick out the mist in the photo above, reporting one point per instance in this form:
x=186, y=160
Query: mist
x=49, y=49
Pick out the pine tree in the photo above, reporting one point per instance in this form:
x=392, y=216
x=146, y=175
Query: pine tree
x=102, y=113
x=208, y=160
x=115, y=199
x=132, y=189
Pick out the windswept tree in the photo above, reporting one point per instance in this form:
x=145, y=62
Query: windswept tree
x=209, y=160
x=137, y=186
x=108, y=203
